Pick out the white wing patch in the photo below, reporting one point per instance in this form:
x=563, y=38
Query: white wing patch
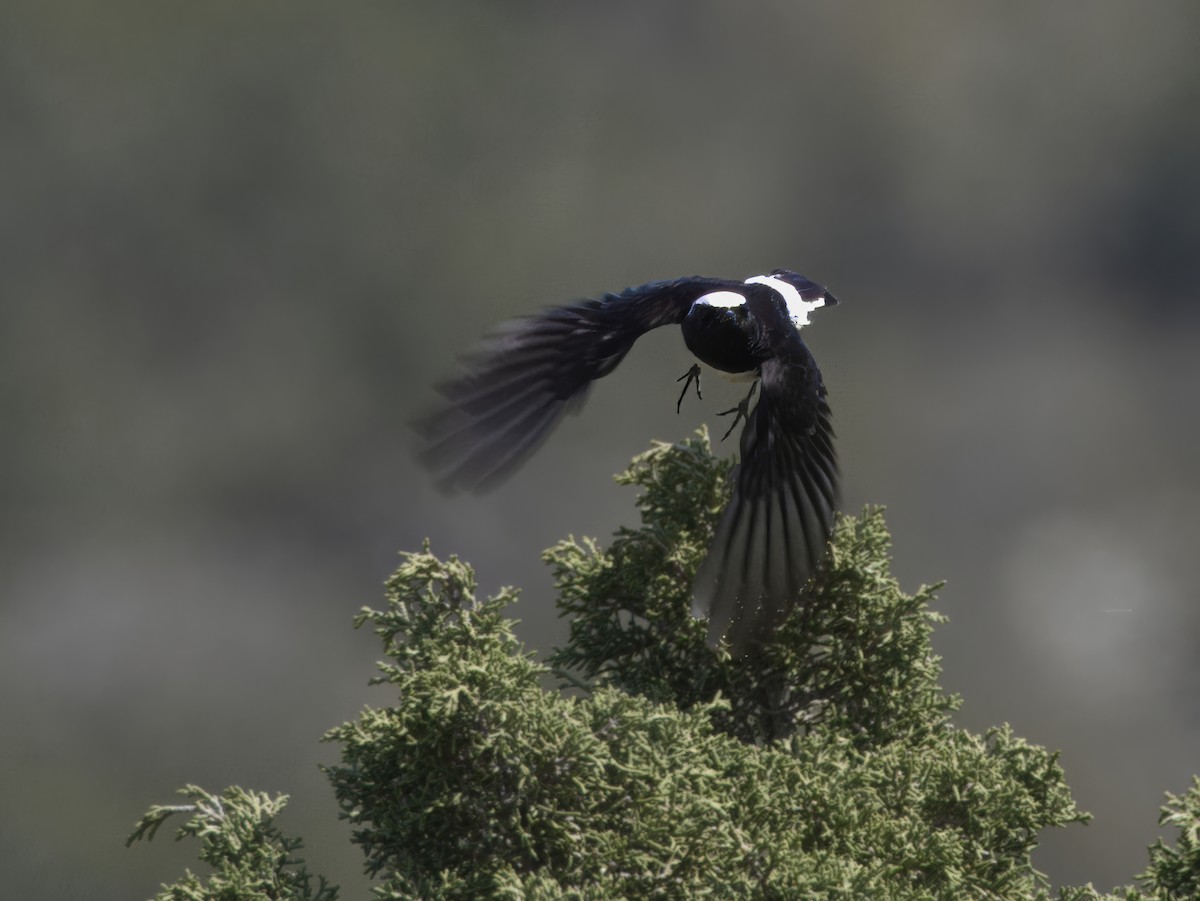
x=723, y=299
x=798, y=307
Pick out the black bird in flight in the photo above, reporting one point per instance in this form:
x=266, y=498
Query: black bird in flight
x=534, y=370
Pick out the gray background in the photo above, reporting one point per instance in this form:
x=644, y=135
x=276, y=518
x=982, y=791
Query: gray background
x=240, y=242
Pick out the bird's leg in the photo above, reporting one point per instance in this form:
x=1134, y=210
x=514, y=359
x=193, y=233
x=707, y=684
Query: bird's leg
x=742, y=410
x=691, y=375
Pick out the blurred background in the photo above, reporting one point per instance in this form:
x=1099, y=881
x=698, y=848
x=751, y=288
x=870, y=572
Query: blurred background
x=240, y=243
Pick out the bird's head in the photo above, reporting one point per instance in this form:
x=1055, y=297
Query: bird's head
x=809, y=290
x=801, y=295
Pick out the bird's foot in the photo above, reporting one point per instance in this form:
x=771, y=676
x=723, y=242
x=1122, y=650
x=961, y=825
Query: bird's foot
x=742, y=410
x=692, y=375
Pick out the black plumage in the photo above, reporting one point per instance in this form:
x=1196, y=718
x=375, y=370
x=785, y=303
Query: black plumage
x=532, y=371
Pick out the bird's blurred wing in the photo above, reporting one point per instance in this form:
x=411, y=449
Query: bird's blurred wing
x=532, y=371
x=772, y=535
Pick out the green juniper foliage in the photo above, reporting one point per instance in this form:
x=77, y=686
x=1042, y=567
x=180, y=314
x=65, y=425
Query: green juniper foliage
x=250, y=858
x=1175, y=872
x=856, y=656
x=824, y=766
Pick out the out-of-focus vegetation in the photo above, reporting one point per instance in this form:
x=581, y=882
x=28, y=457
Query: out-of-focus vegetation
x=240, y=243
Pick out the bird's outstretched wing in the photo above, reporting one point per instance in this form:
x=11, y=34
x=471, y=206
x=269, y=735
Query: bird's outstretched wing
x=532, y=371
x=772, y=535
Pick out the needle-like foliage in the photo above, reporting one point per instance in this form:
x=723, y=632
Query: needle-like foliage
x=824, y=766
x=854, y=655
x=249, y=857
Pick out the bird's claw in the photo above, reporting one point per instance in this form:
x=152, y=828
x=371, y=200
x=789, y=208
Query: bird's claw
x=742, y=410
x=691, y=375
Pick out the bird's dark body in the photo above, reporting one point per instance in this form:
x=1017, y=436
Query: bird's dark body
x=773, y=533
x=726, y=338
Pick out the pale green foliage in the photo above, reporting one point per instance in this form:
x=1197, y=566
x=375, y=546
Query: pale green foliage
x=855, y=656
x=825, y=766
x=250, y=858
x=1175, y=872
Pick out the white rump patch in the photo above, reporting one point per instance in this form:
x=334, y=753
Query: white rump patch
x=722, y=299
x=798, y=307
